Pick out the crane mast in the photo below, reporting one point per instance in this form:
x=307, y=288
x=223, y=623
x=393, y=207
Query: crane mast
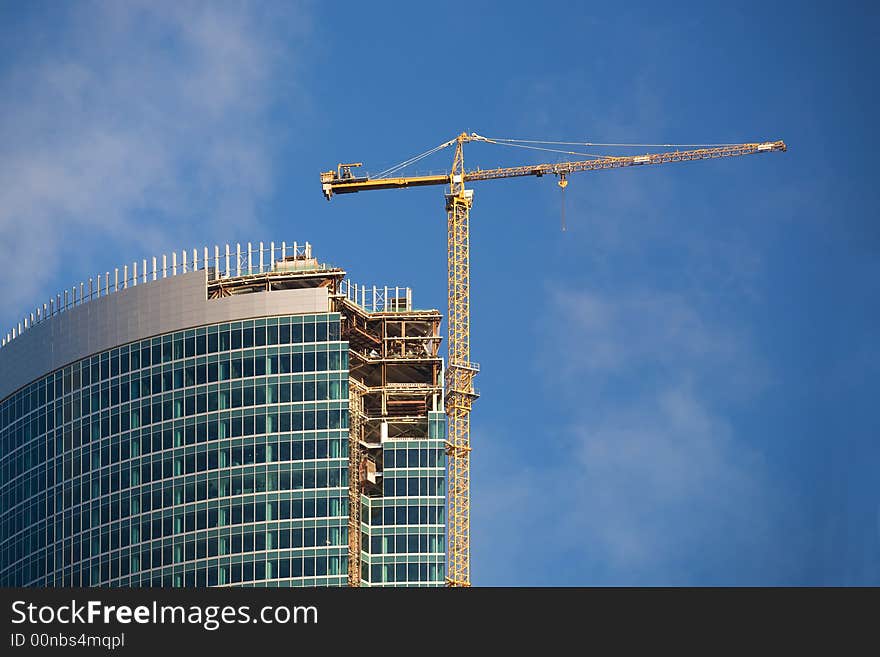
x=460, y=371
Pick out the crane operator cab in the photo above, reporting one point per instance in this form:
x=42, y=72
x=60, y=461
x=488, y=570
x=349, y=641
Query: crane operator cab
x=342, y=175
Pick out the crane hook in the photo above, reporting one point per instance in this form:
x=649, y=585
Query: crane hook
x=563, y=183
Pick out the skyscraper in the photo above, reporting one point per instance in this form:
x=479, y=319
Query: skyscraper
x=238, y=417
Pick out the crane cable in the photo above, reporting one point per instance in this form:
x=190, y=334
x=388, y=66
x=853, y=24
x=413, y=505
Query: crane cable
x=538, y=148
x=527, y=144
x=413, y=160
x=502, y=142
x=592, y=143
x=563, y=183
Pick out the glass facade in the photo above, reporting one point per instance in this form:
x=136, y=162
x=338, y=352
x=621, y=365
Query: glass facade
x=404, y=543
x=212, y=456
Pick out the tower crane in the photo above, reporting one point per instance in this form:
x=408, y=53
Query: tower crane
x=460, y=372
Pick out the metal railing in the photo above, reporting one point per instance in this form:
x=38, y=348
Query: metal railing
x=225, y=262
x=377, y=299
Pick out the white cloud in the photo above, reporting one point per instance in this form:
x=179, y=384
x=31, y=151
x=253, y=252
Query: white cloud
x=663, y=482
x=664, y=338
x=140, y=127
x=659, y=486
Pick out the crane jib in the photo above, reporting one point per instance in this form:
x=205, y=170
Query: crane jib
x=332, y=184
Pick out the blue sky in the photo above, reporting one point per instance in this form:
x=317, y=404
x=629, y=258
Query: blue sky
x=680, y=389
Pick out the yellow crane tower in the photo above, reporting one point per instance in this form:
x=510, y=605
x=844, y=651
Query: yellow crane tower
x=460, y=371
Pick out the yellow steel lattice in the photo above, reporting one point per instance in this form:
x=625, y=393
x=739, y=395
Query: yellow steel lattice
x=355, y=403
x=459, y=375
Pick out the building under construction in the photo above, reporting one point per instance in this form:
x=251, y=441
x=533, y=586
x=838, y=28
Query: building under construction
x=243, y=416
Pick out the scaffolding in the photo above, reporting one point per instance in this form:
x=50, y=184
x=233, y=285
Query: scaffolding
x=396, y=380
